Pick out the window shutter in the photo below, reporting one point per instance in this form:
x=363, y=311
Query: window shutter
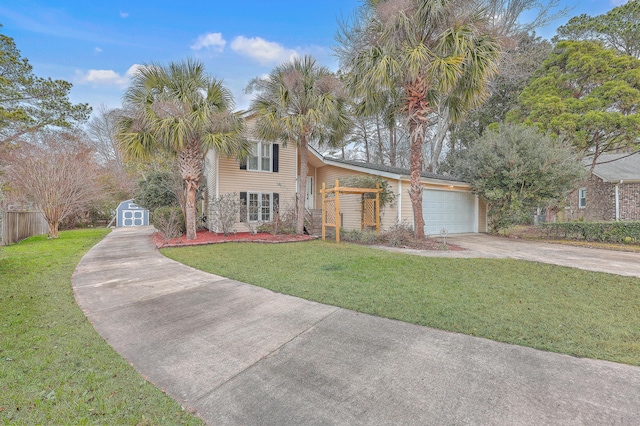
x=276, y=159
x=243, y=205
x=276, y=202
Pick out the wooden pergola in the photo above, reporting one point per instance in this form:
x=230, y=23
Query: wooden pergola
x=369, y=215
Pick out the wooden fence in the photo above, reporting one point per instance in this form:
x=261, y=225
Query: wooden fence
x=18, y=225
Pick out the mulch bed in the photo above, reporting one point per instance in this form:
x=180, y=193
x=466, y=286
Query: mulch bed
x=207, y=237
x=204, y=237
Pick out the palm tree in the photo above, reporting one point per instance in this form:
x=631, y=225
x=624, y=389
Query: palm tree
x=436, y=52
x=182, y=110
x=300, y=102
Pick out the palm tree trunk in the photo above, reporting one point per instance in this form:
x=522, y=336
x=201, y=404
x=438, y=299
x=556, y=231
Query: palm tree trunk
x=190, y=216
x=415, y=190
x=302, y=186
x=190, y=162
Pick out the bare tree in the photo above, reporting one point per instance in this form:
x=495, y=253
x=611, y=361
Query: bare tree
x=57, y=173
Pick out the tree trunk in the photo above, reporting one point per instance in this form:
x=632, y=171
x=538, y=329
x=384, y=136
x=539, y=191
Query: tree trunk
x=393, y=145
x=190, y=162
x=302, y=185
x=415, y=189
x=190, y=217
x=380, y=153
x=53, y=229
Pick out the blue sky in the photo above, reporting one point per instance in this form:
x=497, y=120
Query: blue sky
x=96, y=44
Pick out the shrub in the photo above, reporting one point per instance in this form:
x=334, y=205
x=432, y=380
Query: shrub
x=604, y=232
x=358, y=236
x=169, y=221
x=225, y=210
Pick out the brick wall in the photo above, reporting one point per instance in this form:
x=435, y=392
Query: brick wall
x=629, y=199
x=601, y=201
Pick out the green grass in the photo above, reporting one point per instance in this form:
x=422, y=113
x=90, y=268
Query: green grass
x=54, y=367
x=581, y=313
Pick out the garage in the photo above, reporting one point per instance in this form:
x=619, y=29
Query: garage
x=450, y=210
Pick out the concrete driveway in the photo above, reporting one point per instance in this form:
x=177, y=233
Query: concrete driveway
x=242, y=355
x=590, y=259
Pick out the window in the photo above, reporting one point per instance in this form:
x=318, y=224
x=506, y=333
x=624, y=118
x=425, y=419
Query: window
x=258, y=206
x=582, y=198
x=260, y=157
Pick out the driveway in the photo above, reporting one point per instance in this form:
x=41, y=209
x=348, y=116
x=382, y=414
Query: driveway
x=242, y=355
x=590, y=259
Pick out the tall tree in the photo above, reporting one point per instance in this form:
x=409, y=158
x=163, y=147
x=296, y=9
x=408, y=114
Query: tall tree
x=517, y=65
x=435, y=52
x=56, y=172
x=618, y=29
x=29, y=103
x=588, y=94
x=300, y=102
x=516, y=169
x=180, y=109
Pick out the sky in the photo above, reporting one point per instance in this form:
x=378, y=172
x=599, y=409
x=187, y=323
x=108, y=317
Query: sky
x=97, y=45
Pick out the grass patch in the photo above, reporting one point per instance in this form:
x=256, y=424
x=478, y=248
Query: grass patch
x=554, y=308
x=54, y=367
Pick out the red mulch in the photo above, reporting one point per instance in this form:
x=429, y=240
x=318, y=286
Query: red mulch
x=208, y=237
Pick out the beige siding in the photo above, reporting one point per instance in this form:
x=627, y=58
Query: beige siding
x=232, y=179
x=351, y=205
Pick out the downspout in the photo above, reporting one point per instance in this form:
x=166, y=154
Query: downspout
x=399, y=200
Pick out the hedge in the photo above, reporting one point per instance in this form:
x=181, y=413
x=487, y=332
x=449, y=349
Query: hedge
x=604, y=232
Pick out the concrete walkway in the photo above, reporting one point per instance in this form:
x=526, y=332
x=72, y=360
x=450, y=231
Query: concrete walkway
x=242, y=355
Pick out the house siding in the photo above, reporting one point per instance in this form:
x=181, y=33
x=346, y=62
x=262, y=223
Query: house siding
x=483, y=225
x=233, y=180
x=350, y=204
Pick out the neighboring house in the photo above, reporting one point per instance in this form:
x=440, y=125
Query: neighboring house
x=612, y=192
x=268, y=181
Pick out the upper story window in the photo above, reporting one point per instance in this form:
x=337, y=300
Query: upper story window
x=582, y=198
x=260, y=157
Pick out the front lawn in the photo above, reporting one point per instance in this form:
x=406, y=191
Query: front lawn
x=54, y=367
x=587, y=314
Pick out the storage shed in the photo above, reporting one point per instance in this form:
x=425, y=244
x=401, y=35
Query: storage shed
x=130, y=214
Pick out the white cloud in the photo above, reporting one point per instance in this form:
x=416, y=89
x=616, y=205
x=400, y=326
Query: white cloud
x=618, y=2
x=124, y=14
x=262, y=50
x=107, y=77
x=214, y=41
x=98, y=49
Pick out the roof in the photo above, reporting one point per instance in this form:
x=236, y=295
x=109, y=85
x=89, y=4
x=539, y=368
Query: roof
x=392, y=170
x=617, y=167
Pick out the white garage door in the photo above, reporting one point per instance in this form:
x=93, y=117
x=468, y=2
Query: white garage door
x=453, y=211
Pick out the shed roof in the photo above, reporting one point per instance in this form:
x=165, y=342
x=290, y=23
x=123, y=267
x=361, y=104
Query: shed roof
x=617, y=167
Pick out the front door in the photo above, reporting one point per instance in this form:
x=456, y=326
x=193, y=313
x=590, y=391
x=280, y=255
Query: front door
x=308, y=201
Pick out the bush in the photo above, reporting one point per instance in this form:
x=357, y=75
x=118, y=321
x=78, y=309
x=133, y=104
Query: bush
x=169, y=221
x=225, y=210
x=604, y=232
x=358, y=236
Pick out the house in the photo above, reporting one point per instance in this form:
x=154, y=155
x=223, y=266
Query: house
x=269, y=180
x=612, y=192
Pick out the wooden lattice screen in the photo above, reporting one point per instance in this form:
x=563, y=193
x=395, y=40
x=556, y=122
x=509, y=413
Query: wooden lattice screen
x=370, y=214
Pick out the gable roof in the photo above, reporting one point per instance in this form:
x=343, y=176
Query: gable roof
x=617, y=167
